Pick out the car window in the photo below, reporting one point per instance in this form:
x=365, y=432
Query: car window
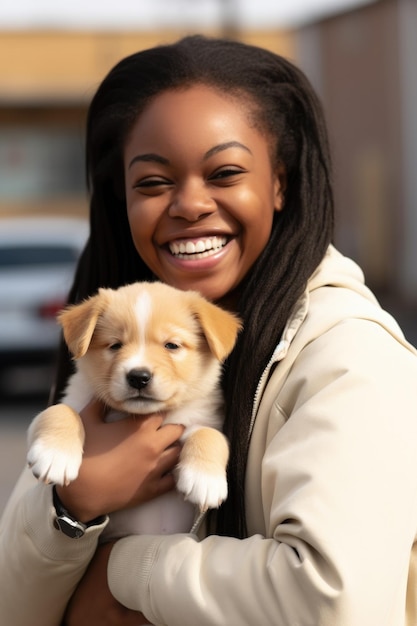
x=30, y=255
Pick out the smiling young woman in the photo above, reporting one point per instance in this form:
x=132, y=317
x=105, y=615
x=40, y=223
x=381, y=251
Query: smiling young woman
x=209, y=169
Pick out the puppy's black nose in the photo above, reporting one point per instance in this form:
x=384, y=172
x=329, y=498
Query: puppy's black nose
x=138, y=378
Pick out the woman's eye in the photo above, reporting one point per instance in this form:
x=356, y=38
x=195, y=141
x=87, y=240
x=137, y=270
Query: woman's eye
x=226, y=174
x=148, y=185
x=170, y=345
x=115, y=346
x=150, y=182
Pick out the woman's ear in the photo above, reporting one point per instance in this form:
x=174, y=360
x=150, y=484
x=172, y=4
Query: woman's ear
x=280, y=186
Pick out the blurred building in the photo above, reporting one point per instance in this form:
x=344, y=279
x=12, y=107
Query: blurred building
x=364, y=65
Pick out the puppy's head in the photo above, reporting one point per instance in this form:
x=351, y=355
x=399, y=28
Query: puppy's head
x=148, y=347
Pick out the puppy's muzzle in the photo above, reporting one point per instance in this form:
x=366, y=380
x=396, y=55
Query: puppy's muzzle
x=139, y=378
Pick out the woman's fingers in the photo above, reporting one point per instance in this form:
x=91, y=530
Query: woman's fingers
x=125, y=462
x=95, y=414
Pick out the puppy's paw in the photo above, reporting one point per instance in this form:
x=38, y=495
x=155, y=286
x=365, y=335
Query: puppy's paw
x=201, y=472
x=55, y=445
x=53, y=464
x=205, y=489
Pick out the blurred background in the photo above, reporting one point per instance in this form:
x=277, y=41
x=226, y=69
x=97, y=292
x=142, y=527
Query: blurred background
x=360, y=55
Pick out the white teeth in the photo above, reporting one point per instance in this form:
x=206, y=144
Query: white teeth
x=199, y=249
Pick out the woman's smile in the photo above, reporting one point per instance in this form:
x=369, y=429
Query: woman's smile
x=197, y=249
x=198, y=255
x=201, y=191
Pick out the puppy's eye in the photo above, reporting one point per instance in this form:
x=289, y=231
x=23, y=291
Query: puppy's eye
x=170, y=345
x=115, y=346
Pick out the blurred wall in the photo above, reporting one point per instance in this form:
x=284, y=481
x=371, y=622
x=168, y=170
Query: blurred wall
x=364, y=65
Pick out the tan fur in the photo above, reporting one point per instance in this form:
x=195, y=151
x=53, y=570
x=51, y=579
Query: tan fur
x=209, y=447
x=219, y=325
x=79, y=322
x=205, y=453
x=66, y=421
x=118, y=332
x=67, y=428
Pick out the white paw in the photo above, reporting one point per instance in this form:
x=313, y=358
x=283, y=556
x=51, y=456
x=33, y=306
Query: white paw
x=207, y=490
x=52, y=464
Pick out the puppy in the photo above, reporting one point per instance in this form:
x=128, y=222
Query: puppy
x=144, y=348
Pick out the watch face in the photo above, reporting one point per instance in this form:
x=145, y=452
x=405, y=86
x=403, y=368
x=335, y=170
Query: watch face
x=69, y=527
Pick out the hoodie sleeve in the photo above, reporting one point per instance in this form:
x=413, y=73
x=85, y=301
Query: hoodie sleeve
x=338, y=485
x=40, y=567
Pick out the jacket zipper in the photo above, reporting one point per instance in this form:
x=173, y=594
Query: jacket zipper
x=277, y=356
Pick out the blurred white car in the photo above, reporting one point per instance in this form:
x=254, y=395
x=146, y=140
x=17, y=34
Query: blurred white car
x=37, y=262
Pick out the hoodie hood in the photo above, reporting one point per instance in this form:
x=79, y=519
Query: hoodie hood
x=337, y=270
x=355, y=300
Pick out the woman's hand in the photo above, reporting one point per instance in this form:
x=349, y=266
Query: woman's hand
x=124, y=463
x=93, y=604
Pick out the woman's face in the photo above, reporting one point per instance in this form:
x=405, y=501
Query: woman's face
x=200, y=190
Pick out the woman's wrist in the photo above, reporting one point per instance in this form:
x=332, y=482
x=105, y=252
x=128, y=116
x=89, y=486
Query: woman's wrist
x=64, y=503
x=62, y=510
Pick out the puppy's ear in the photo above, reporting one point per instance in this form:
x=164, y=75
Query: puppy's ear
x=220, y=327
x=78, y=322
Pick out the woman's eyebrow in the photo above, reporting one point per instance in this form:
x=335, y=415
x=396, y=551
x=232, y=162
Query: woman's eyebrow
x=149, y=157
x=225, y=146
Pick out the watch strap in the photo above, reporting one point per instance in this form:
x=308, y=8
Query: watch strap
x=67, y=524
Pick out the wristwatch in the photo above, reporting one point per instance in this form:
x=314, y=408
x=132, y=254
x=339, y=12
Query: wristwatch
x=67, y=524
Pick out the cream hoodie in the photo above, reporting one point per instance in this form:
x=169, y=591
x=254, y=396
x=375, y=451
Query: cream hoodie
x=331, y=494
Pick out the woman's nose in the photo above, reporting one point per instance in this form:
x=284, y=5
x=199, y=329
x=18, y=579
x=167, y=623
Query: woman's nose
x=192, y=202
